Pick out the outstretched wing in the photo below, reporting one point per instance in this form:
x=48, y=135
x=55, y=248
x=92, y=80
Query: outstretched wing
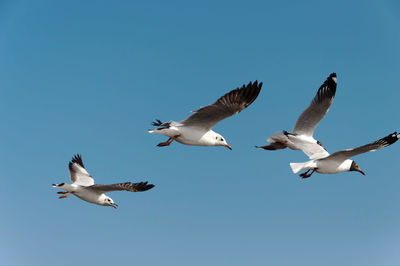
x=309, y=119
x=228, y=105
x=313, y=150
x=128, y=186
x=379, y=144
x=79, y=175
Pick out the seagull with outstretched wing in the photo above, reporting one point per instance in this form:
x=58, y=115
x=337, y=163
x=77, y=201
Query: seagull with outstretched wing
x=302, y=136
x=196, y=129
x=84, y=188
x=340, y=161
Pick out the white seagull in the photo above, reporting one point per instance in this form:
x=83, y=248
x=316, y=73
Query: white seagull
x=84, y=188
x=340, y=161
x=302, y=136
x=196, y=129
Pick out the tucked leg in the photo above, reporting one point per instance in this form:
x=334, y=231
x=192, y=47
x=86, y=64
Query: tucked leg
x=62, y=197
x=167, y=143
x=306, y=175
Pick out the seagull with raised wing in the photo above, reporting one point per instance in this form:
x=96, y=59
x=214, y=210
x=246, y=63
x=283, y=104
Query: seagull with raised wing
x=302, y=136
x=84, y=188
x=196, y=129
x=340, y=161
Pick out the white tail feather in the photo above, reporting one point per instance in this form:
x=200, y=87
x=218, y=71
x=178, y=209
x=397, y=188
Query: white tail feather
x=297, y=167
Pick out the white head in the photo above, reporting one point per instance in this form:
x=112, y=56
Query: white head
x=220, y=141
x=107, y=201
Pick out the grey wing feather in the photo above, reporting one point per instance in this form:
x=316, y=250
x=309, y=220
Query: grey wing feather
x=228, y=105
x=128, y=186
x=309, y=119
x=379, y=144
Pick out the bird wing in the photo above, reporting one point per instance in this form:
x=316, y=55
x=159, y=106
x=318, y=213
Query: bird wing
x=128, y=186
x=313, y=150
x=228, y=105
x=309, y=119
x=79, y=175
x=379, y=144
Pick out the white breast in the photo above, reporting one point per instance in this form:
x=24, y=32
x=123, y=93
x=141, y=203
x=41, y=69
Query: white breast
x=196, y=136
x=89, y=196
x=333, y=167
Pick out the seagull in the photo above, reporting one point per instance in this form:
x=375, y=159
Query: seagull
x=196, y=129
x=84, y=188
x=302, y=136
x=340, y=161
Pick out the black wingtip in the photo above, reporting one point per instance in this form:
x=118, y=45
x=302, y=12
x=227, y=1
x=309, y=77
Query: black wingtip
x=143, y=186
x=391, y=138
x=333, y=75
x=77, y=158
x=157, y=123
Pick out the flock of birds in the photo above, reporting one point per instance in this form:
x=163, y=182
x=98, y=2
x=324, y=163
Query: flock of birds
x=197, y=130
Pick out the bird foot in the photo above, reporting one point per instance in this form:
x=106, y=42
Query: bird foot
x=62, y=197
x=163, y=144
x=305, y=176
x=167, y=143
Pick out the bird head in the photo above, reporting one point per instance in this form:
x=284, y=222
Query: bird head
x=220, y=141
x=109, y=202
x=354, y=167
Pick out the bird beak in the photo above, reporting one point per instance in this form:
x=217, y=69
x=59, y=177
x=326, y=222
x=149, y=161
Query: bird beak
x=114, y=205
x=361, y=172
x=229, y=147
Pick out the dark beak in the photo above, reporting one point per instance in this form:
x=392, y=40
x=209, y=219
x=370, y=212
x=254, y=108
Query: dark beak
x=229, y=147
x=361, y=172
x=115, y=205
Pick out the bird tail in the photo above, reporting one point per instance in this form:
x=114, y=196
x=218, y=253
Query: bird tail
x=278, y=142
x=278, y=137
x=297, y=167
x=160, y=126
x=273, y=146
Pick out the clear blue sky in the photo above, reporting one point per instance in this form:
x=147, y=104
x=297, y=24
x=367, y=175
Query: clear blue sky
x=90, y=77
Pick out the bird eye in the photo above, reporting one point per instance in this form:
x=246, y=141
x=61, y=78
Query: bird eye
x=222, y=139
x=216, y=137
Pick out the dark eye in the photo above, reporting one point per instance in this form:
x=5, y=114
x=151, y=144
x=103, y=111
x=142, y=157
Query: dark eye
x=222, y=139
x=216, y=137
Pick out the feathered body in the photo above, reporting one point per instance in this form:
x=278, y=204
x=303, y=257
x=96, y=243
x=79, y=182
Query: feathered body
x=84, y=188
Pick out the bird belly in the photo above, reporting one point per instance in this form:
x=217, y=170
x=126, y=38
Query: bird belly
x=331, y=167
x=194, y=137
x=88, y=196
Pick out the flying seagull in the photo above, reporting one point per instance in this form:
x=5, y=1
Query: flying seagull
x=340, y=161
x=302, y=136
x=84, y=188
x=196, y=129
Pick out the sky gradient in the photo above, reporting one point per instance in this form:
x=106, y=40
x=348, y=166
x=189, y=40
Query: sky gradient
x=90, y=77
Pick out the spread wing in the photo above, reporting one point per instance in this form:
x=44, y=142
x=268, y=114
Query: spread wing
x=228, y=105
x=379, y=144
x=79, y=175
x=128, y=186
x=313, y=150
x=309, y=119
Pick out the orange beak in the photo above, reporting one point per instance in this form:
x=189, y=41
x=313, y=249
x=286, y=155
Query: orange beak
x=115, y=205
x=229, y=147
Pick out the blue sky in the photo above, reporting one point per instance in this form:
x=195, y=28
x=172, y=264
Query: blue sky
x=90, y=77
